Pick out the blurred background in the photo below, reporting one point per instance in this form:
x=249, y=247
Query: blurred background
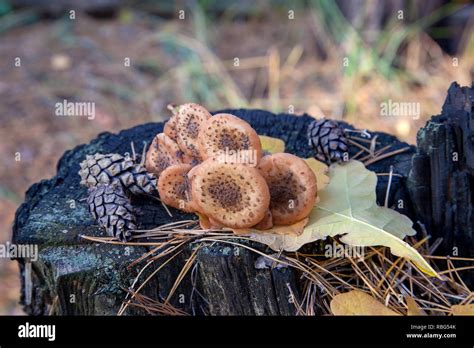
x=340, y=59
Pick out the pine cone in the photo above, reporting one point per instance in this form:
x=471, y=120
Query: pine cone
x=109, y=168
x=111, y=208
x=328, y=139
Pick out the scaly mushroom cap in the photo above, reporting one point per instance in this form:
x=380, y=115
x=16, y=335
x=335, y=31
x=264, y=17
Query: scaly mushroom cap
x=189, y=121
x=174, y=187
x=170, y=128
x=233, y=195
x=292, y=186
x=163, y=152
x=226, y=133
x=185, y=158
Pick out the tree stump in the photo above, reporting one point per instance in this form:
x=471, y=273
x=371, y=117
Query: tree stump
x=76, y=276
x=441, y=181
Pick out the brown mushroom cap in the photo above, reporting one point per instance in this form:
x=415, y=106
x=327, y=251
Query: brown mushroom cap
x=226, y=132
x=292, y=186
x=193, y=170
x=185, y=158
x=174, y=187
x=163, y=152
x=170, y=128
x=233, y=195
x=189, y=121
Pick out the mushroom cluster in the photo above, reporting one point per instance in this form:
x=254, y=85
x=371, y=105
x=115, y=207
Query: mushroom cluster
x=215, y=166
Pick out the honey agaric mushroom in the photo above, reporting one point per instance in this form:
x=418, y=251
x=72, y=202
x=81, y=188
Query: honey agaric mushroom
x=174, y=187
x=163, y=152
x=226, y=134
x=189, y=121
x=170, y=128
x=185, y=158
x=234, y=195
x=292, y=186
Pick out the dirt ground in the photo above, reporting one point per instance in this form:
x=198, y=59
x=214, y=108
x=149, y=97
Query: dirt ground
x=270, y=63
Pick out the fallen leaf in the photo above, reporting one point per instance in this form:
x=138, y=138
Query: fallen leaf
x=319, y=169
x=356, y=302
x=413, y=308
x=272, y=145
x=467, y=309
x=348, y=208
x=267, y=236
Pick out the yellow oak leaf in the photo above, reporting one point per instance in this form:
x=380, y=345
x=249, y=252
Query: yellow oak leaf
x=272, y=145
x=347, y=208
x=356, y=302
x=413, y=308
x=267, y=236
x=319, y=169
x=467, y=309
